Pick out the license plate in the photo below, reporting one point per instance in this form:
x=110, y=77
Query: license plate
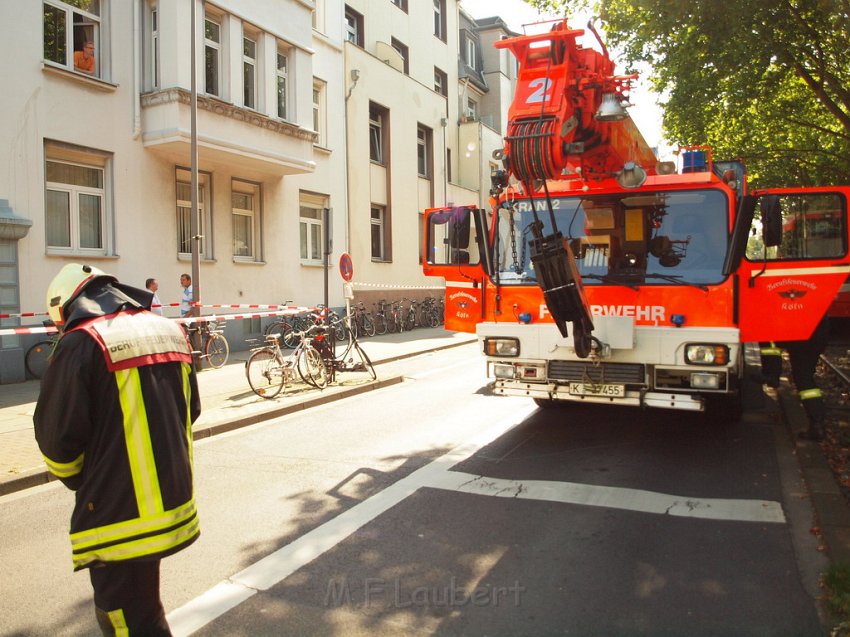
x=605, y=389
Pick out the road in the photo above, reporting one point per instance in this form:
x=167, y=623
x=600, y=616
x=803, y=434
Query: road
x=433, y=508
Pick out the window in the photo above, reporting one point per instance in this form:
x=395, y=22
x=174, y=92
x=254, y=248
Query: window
x=377, y=229
x=470, y=110
x=319, y=16
x=403, y=52
x=72, y=35
x=212, y=56
x=153, y=51
x=472, y=52
x=440, y=19
x=249, y=71
x=401, y=4
x=812, y=227
x=353, y=26
x=282, y=80
x=77, y=215
x=423, y=151
x=319, y=111
x=377, y=126
x=245, y=207
x=441, y=82
x=312, y=210
x=184, y=214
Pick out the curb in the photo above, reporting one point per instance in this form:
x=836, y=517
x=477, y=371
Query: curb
x=37, y=477
x=829, y=504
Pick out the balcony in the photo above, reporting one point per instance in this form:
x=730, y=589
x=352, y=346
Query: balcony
x=242, y=138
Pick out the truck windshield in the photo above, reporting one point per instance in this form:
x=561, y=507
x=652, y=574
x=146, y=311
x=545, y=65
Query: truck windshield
x=645, y=238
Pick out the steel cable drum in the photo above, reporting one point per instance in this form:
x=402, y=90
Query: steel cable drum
x=533, y=149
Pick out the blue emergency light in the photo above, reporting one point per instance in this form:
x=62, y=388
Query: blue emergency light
x=694, y=161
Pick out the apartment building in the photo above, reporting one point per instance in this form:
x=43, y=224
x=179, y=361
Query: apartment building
x=315, y=119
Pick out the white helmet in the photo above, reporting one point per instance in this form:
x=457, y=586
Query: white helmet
x=67, y=285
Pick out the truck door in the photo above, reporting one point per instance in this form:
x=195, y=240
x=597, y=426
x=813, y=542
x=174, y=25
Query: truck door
x=450, y=253
x=789, y=255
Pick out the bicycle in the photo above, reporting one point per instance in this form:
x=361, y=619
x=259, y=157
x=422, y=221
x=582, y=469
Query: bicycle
x=268, y=371
x=362, y=322
x=380, y=317
x=430, y=313
x=38, y=356
x=409, y=316
x=358, y=361
x=213, y=345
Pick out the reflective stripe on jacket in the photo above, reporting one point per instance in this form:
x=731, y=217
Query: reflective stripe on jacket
x=114, y=422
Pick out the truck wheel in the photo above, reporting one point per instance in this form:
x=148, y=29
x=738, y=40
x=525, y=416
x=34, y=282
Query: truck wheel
x=547, y=403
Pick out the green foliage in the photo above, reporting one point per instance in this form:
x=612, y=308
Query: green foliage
x=836, y=584
x=766, y=81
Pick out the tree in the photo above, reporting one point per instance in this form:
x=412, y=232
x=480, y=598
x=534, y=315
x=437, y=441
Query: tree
x=767, y=81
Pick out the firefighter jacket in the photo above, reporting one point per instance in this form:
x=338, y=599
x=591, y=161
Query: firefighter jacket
x=114, y=423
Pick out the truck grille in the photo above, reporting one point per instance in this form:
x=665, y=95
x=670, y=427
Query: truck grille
x=625, y=373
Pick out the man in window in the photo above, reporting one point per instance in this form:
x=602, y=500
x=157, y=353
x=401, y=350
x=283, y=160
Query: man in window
x=84, y=59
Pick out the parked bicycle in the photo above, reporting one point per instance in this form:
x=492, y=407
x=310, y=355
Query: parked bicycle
x=379, y=318
x=211, y=342
x=268, y=370
x=38, y=356
x=350, y=359
x=409, y=315
x=362, y=322
x=429, y=313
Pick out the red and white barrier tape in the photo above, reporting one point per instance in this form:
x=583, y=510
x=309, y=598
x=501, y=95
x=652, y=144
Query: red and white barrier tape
x=22, y=314
x=289, y=311
x=397, y=286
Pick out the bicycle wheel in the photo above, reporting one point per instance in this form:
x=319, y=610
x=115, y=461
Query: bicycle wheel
x=312, y=368
x=342, y=340
x=264, y=373
x=393, y=323
x=369, y=325
x=380, y=322
x=409, y=319
x=217, y=350
x=274, y=328
x=38, y=357
x=364, y=361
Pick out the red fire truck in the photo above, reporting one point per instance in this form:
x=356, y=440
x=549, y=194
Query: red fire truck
x=601, y=275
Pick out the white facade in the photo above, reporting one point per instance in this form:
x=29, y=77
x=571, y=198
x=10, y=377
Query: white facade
x=96, y=162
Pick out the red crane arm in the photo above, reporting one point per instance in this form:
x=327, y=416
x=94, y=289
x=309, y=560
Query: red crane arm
x=567, y=113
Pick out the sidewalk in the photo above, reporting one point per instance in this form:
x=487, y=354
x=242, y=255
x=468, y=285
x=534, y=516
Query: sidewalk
x=226, y=399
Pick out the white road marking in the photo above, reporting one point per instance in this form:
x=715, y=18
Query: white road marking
x=614, y=498
x=279, y=565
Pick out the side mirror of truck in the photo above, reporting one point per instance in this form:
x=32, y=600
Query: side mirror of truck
x=771, y=220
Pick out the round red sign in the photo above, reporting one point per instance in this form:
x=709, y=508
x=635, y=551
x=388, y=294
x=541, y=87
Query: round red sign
x=346, y=267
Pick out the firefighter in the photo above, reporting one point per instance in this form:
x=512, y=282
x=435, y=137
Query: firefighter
x=803, y=356
x=113, y=422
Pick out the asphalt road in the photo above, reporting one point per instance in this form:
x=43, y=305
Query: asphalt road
x=434, y=508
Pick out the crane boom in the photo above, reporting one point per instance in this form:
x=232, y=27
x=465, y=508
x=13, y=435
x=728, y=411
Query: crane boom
x=568, y=114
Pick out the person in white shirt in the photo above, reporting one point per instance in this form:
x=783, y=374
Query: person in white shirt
x=186, y=301
x=156, y=304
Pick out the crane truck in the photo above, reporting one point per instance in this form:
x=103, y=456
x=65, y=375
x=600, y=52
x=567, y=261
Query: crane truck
x=599, y=274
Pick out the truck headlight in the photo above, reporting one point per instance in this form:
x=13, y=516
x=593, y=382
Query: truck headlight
x=503, y=371
x=706, y=354
x=501, y=346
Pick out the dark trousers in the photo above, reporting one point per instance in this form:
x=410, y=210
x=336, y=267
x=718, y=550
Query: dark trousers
x=804, y=356
x=126, y=599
